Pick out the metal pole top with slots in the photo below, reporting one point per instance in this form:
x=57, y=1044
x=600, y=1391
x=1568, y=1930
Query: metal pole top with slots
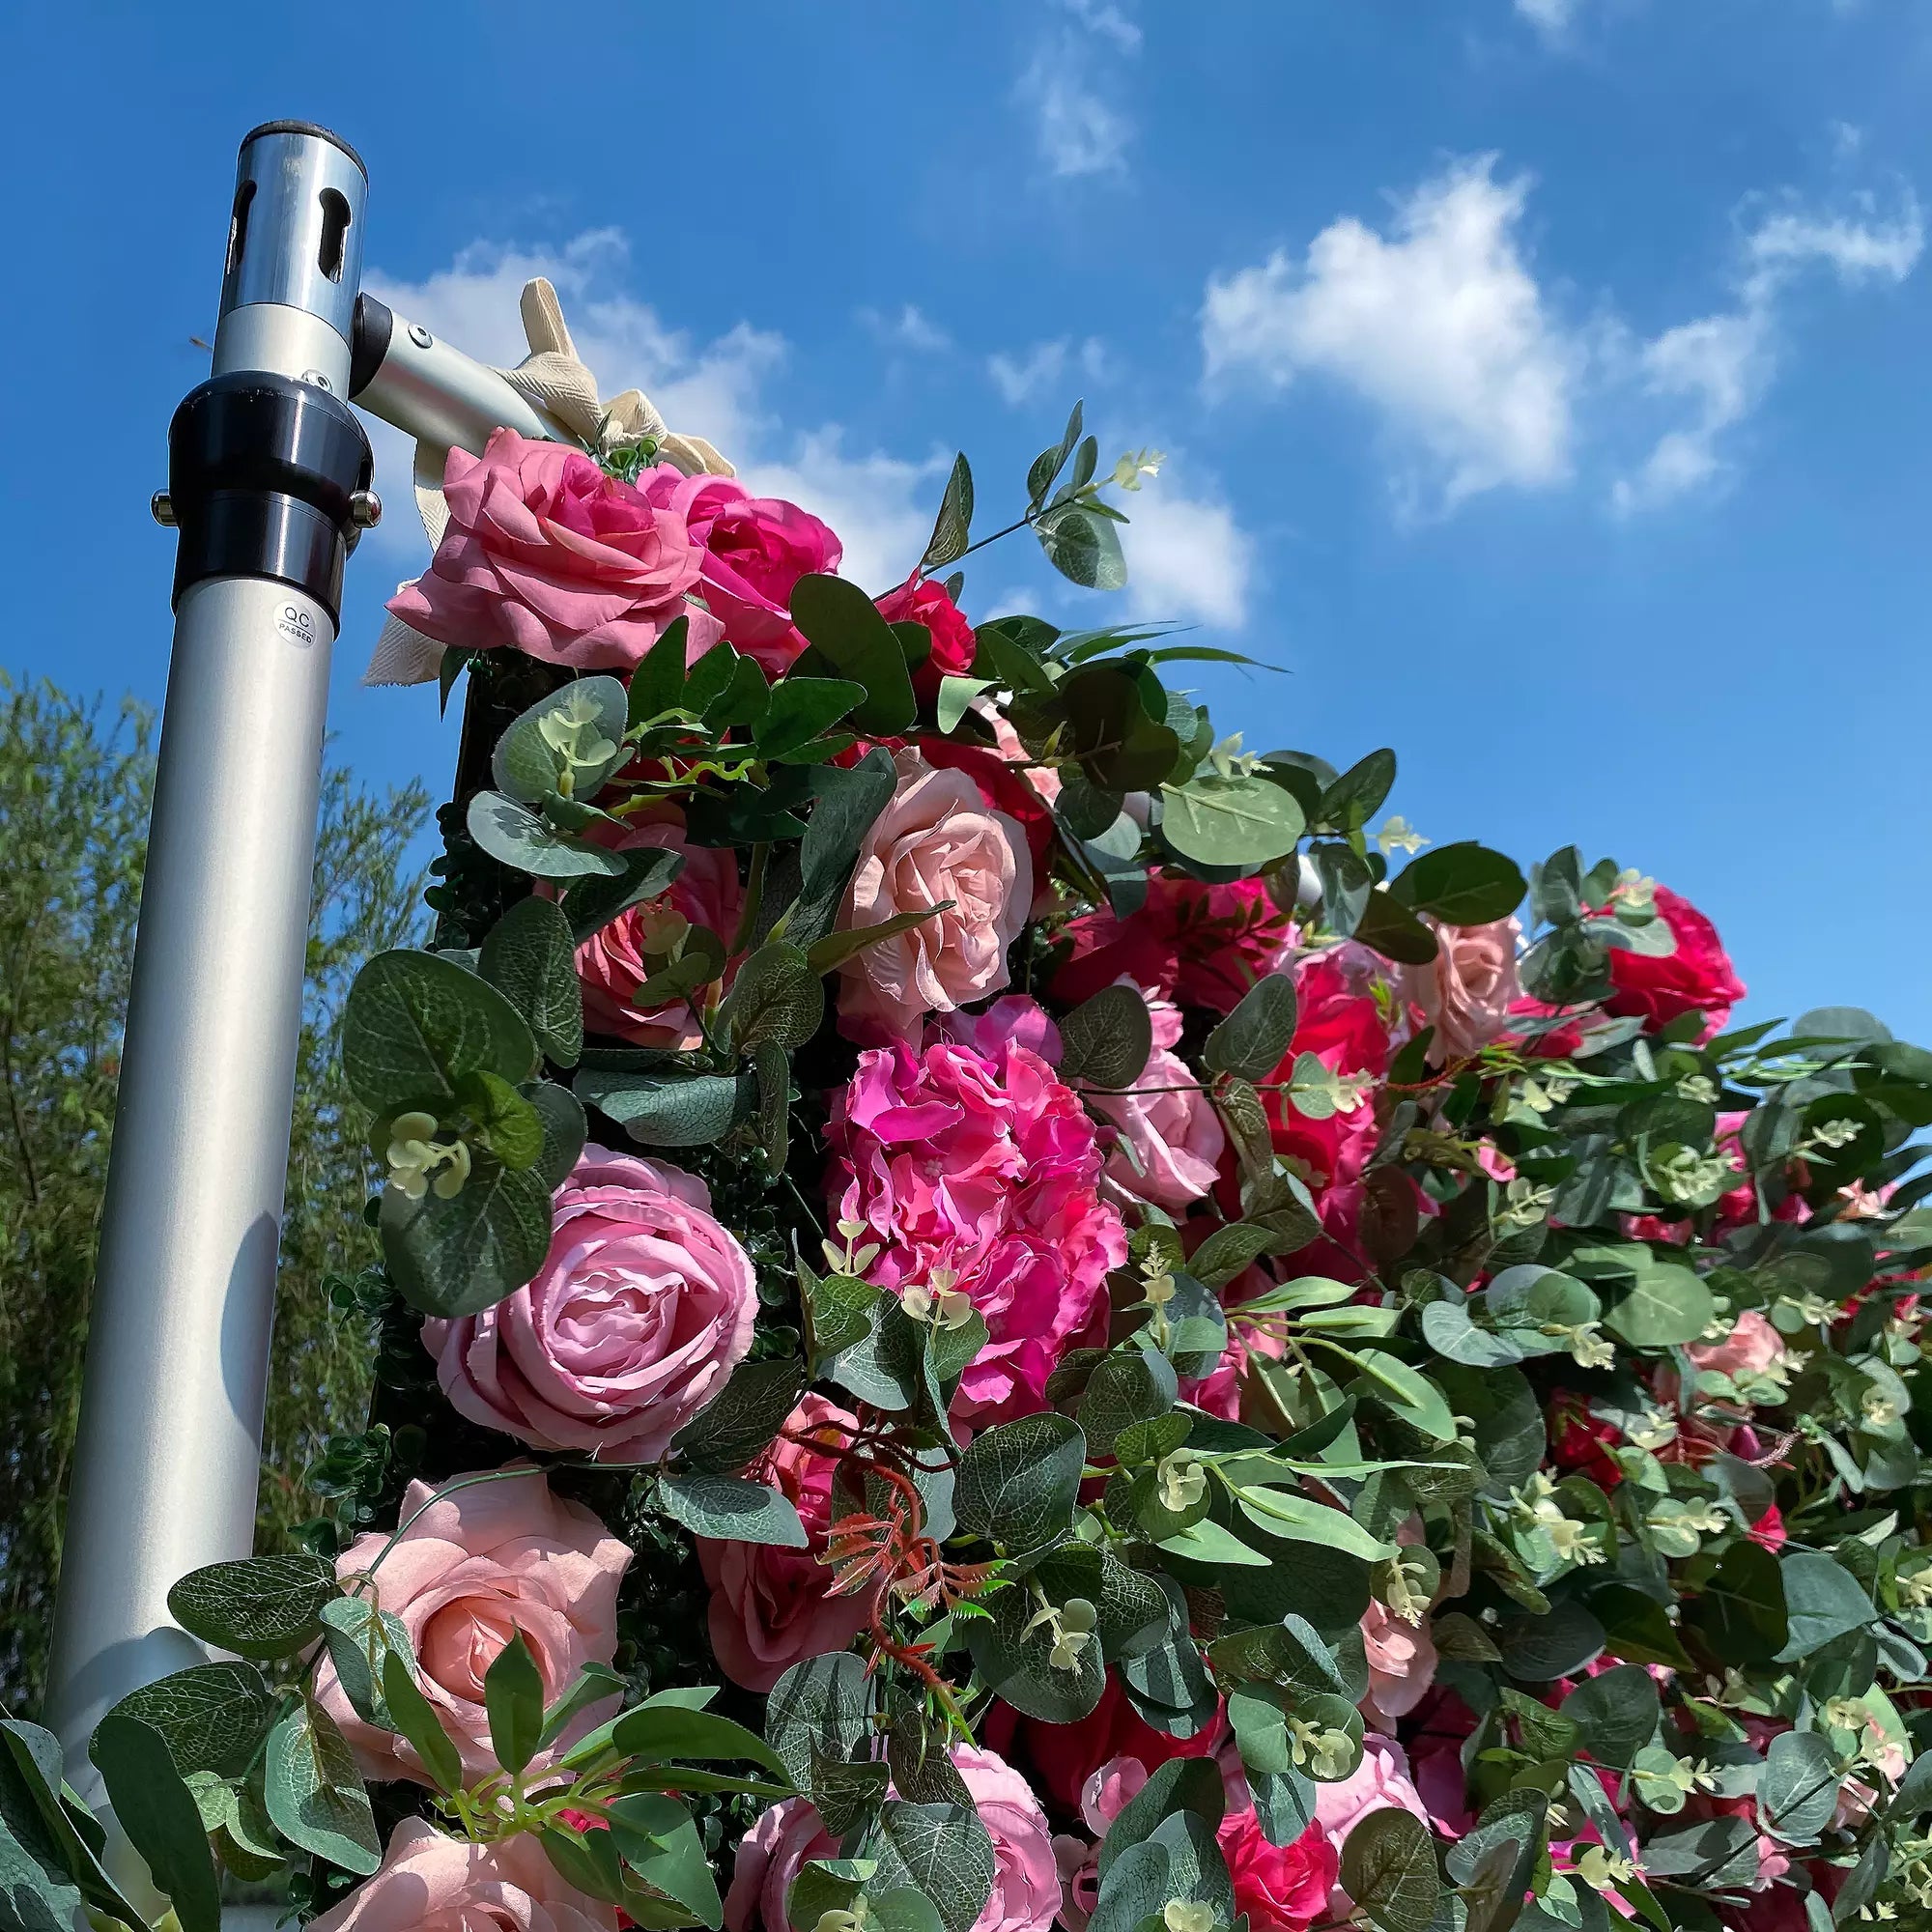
x=268, y=474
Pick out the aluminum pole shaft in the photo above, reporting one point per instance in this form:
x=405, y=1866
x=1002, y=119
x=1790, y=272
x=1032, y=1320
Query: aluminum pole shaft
x=265, y=464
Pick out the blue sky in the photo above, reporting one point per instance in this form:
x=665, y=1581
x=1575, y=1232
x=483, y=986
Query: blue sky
x=1545, y=381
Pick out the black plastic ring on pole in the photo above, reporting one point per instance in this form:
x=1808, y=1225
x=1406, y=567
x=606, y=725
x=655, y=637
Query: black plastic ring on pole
x=260, y=475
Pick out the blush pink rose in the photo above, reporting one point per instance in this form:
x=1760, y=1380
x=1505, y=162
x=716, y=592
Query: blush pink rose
x=614, y=961
x=1173, y=1138
x=937, y=839
x=771, y=1607
x=428, y=1883
x=1467, y=990
x=977, y=1160
x=548, y=556
x=471, y=1569
x=640, y=1313
x=1026, y=1878
x=1281, y=1888
x=1698, y=978
x=1380, y=1782
x=1751, y=1347
x=1402, y=1664
x=756, y=549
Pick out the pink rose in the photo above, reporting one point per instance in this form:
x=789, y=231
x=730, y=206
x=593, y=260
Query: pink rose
x=772, y=1606
x=756, y=549
x=937, y=839
x=1698, y=978
x=982, y=1164
x=614, y=961
x=1466, y=991
x=547, y=554
x=1281, y=1888
x=1751, y=1347
x=1172, y=1137
x=1065, y=1757
x=1402, y=1664
x=1380, y=1782
x=641, y=1310
x=1026, y=1878
x=1109, y=1791
x=921, y=601
x=472, y=1568
x=432, y=1884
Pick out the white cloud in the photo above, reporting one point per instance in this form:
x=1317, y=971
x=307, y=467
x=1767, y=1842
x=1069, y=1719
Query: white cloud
x=1549, y=17
x=1021, y=378
x=1106, y=21
x=1077, y=132
x=910, y=328
x=1722, y=364
x=1439, y=326
x=1188, y=557
x=881, y=505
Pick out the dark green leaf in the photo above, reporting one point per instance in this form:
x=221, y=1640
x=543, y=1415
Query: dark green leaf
x=1084, y=548
x=1823, y=1599
x=744, y=1419
x=314, y=1793
x=847, y=802
x=529, y=956
x=1048, y=464
x=690, y=1111
x=730, y=1509
x=513, y=1697
x=835, y=947
x=360, y=1639
x=1351, y=800
x=800, y=708
x=261, y=1606
x=659, y=1840
x=414, y=1025
x=1235, y=821
x=666, y=1733
x=158, y=1814
x=1133, y=1386
x=1741, y=1612
x=417, y=1719
x=1106, y=1039
x=1615, y=1714
x=1463, y=884
x=827, y=1701
x=1018, y=1480
x=1250, y=1042
x=844, y=626
x=940, y=1851
x=776, y=998
x=592, y=903
x=1390, y=928
x=952, y=533
x=460, y=1256
x=211, y=1716
x=1797, y=1789
x=657, y=685
x=1388, y=1868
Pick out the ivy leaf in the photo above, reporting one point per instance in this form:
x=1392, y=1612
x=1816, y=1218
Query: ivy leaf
x=1136, y=1385
x=1107, y=1039
x=844, y=627
x=731, y=1510
x=1251, y=1041
x=414, y=1025
x=1463, y=883
x=211, y=1716
x=515, y=837
x=1019, y=1481
x=744, y=1419
x=463, y=1255
x=940, y=1851
x=160, y=1817
x=314, y=1792
x=1237, y=821
x=261, y=1606
x=953, y=530
x=529, y=956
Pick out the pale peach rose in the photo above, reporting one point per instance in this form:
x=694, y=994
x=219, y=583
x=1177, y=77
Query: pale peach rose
x=476, y=1565
x=1751, y=1347
x=937, y=839
x=1466, y=990
x=1402, y=1664
x=432, y=1884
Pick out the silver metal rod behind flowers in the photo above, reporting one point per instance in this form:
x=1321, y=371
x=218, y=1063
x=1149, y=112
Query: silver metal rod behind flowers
x=267, y=486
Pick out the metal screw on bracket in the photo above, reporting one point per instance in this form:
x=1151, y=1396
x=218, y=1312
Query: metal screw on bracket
x=419, y=335
x=162, y=506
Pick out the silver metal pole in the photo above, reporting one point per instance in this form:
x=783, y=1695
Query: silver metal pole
x=269, y=475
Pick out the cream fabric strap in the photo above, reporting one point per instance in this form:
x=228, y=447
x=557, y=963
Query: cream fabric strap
x=553, y=378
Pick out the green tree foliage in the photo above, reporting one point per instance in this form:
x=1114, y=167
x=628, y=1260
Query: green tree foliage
x=75, y=784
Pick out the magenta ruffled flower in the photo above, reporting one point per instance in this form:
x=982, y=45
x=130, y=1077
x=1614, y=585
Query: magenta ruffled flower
x=976, y=1160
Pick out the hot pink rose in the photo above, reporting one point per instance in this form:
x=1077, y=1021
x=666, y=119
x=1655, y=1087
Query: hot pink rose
x=1466, y=991
x=1281, y=1888
x=1204, y=945
x=772, y=1606
x=937, y=839
x=1402, y=1664
x=1026, y=1879
x=980, y=1162
x=1065, y=1757
x=1698, y=978
x=1751, y=1347
x=756, y=549
x=472, y=1567
x=1173, y=1138
x=614, y=962
x=635, y=1320
x=921, y=601
x=432, y=1884
x=547, y=554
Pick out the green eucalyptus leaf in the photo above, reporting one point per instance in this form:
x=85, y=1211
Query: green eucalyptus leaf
x=414, y=1025
x=732, y=1510
x=314, y=1793
x=529, y=956
x=260, y=1606
x=1107, y=1039
x=211, y=1716
x=515, y=835
x=462, y=1255
x=1235, y=821
x=844, y=627
x=1018, y=1480
x=1251, y=1041
x=159, y=1813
